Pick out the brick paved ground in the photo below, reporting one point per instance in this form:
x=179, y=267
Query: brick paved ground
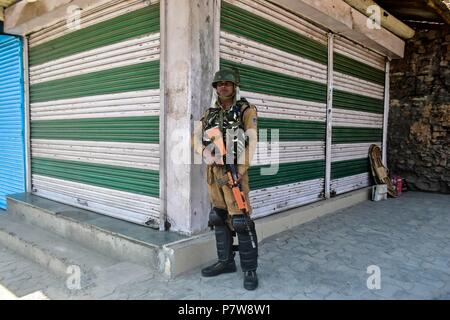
x=407, y=238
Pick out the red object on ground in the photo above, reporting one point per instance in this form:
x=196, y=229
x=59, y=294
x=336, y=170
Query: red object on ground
x=399, y=185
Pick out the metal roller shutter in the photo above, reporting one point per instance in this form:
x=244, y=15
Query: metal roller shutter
x=12, y=155
x=95, y=105
x=283, y=64
x=358, y=106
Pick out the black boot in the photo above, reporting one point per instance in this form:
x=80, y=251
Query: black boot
x=219, y=268
x=250, y=280
x=224, y=243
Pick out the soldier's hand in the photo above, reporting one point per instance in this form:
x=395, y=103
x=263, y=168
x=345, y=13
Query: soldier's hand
x=210, y=159
x=239, y=178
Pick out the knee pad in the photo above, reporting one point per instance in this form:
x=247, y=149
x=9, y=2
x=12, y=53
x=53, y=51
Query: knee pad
x=217, y=217
x=240, y=223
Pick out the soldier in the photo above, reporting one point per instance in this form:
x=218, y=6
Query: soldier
x=237, y=120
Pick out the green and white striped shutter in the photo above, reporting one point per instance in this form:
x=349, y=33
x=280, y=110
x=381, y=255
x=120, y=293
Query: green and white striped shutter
x=95, y=105
x=283, y=64
x=358, y=107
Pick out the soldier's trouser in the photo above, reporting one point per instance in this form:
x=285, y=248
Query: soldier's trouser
x=222, y=197
x=248, y=243
x=224, y=237
x=220, y=193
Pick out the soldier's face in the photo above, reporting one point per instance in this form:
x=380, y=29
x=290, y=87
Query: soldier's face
x=225, y=88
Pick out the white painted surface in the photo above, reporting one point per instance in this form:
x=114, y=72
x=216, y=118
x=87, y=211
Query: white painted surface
x=131, y=103
x=118, y=204
x=275, y=199
x=356, y=119
x=125, y=53
x=351, y=151
x=274, y=107
x=350, y=183
x=245, y=51
x=131, y=155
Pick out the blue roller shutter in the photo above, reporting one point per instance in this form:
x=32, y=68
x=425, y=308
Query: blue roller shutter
x=12, y=152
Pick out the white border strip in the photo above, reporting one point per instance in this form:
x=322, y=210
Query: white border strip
x=125, y=104
x=131, y=155
x=329, y=115
x=356, y=119
x=126, y=53
x=359, y=53
x=271, y=200
x=288, y=152
x=118, y=204
x=359, y=86
x=163, y=117
x=244, y=51
x=350, y=151
x=90, y=16
x=386, y=114
x=350, y=183
x=275, y=107
x=27, y=115
x=282, y=17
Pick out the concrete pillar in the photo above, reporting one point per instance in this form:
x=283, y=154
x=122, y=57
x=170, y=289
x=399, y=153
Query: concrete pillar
x=188, y=66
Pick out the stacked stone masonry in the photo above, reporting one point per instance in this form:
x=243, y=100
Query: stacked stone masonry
x=419, y=117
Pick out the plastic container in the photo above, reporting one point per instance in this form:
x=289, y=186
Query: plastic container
x=379, y=192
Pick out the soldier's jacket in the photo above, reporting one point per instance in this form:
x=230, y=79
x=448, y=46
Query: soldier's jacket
x=219, y=192
x=249, y=122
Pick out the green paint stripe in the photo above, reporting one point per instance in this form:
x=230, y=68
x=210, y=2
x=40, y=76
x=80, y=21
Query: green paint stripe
x=356, y=135
x=133, y=180
x=243, y=23
x=358, y=69
x=130, y=129
x=127, y=26
x=346, y=168
x=357, y=102
x=128, y=78
x=293, y=130
x=287, y=173
x=277, y=84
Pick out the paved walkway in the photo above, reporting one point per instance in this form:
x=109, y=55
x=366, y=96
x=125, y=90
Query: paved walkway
x=401, y=246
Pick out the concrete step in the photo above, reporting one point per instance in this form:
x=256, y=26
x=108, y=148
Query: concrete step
x=61, y=256
x=166, y=252
x=86, y=228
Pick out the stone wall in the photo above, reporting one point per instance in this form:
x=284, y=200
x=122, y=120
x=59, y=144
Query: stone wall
x=419, y=117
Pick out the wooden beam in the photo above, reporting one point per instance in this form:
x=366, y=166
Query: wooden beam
x=441, y=9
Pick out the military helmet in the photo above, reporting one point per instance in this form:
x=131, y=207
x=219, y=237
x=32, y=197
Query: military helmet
x=226, y=75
